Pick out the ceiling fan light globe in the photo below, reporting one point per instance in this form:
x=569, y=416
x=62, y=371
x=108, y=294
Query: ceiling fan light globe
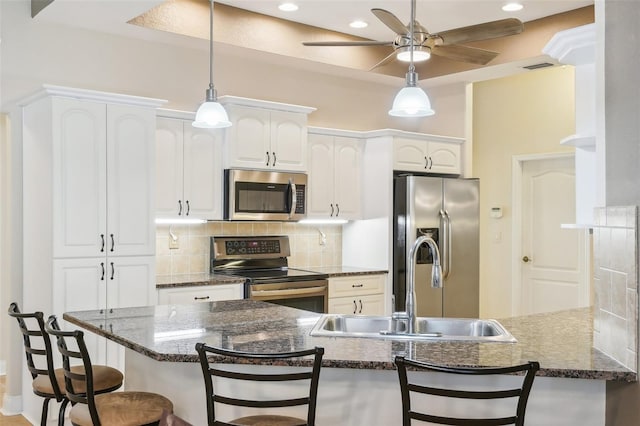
x=411, y=101
x=211, y=115
x=418, y=55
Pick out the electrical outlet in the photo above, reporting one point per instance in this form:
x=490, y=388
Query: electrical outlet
x=173, y=242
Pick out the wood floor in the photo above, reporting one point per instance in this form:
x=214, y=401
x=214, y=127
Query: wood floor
x=10, y=420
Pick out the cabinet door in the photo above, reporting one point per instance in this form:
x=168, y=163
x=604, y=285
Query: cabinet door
x=347, y=181
x=131, y=172
x=169, y=174
x=248, y=139
x=320, y=178
x=203, y=172
x=289, y=141
x=372, y=304
x=198, y=294
x=80, y=284
x=130, y=281
x=79, y=178
x=444, y=158
x=410, y=155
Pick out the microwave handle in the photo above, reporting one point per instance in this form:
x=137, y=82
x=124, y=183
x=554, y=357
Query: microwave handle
x=294, y=198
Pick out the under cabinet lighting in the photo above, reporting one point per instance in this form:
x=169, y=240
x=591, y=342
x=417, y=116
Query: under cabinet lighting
x=178, y=221
x=323, y=221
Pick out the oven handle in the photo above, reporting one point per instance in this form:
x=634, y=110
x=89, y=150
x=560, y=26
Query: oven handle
x=294, y=198
x=289, y=292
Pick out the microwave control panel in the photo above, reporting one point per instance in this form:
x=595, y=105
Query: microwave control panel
x=300, y=199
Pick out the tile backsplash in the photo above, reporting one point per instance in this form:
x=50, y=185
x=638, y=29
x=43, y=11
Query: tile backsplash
x=192, y=253
x=616, y=283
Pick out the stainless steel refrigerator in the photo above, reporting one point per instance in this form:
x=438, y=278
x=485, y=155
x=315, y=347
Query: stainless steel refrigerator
x=447, y=210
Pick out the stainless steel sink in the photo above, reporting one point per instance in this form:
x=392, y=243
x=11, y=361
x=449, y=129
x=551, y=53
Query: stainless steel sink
x=466, y=329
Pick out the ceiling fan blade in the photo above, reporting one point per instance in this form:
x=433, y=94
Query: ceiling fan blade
x=464, y=53
x=348, y=43
x=391, y=21
x=390, y=57
x=488, y=30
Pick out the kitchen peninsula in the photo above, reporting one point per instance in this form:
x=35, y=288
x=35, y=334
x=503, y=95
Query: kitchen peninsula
x=358, y=383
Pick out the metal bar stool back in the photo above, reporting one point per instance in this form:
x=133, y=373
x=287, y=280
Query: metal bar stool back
x=411, y=387
x=91, y=408
x=214, y=371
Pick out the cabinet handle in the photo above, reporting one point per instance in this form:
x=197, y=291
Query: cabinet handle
x=426, y=162
x=113, y=271
x=113, y=243
x=430, y=163
x=102, y=244
x=179, y=207
x=102, y=266
x=274, y=158
x=360, y=306
x=201, y=298
x=355, y=307
x=331, y=215
x=188, y=208
x=268, y=159
x=357, y=285
x=337, y=210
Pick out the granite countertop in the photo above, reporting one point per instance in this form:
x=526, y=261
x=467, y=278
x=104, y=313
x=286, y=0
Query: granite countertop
x=561, y=342
x=192, y=280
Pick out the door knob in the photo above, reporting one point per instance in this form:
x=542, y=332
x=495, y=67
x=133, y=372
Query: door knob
x=526, y=259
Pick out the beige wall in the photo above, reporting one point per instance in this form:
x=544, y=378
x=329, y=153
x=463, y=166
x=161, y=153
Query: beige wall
x=524, y=114
x=192, y=256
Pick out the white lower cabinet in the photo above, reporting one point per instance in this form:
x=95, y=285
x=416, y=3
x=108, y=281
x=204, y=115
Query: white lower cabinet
x=102, y=284
x=359, y=294
x=196, y=294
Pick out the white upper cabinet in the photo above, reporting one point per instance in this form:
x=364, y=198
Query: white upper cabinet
x=103, y=178
x=335, y=177
x=266, y=135
x=188, y=170
x=419, y=155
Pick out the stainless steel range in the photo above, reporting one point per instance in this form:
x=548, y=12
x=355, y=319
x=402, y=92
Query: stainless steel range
x=262, y=260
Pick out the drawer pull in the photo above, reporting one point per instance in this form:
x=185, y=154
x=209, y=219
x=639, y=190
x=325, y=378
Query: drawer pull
x=201, y=298
x=357, y=285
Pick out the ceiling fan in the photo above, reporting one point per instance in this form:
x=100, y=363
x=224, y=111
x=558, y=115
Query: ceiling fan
x=447, y=44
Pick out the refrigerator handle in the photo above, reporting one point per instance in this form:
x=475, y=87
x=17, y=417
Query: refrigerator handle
x=445, y=249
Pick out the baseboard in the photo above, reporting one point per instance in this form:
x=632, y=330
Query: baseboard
x=11, y=405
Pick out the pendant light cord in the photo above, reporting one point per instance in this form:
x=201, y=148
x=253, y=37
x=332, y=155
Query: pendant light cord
x=412, y=68
x=211, y=91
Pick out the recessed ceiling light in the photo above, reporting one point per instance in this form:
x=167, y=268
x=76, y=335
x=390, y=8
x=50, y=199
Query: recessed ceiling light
x=358, y=24
x=288, y=7
x=512, y=7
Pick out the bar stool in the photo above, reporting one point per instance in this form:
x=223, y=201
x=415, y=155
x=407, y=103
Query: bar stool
x=48, y=381
x=106, y=409
x=409, y=387
x=211, y=368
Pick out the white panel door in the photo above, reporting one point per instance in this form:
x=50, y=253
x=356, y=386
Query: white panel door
x=169, y=161
x=347, y=177
x=554, y=275
x=79, y=178
x=79, y=285
x=131, y=281
x=203, y=172
x=443, y=158
x=131, y=173
x=320, y=184
x=289, y=141
x=248, y=139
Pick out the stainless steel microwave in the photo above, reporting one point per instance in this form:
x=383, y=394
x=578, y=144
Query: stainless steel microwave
x=264, y=195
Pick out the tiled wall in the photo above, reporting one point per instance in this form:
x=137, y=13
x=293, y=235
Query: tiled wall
x=192, y=255
x=616, y=283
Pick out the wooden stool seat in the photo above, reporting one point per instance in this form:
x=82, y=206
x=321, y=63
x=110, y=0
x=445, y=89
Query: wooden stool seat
x=123, y=409
x=269, y=420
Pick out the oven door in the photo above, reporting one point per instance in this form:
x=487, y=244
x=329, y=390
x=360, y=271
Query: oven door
x=310, y=295
x=264, y=195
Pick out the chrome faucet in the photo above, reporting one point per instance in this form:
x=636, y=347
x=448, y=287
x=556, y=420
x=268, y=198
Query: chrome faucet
x=436, y=278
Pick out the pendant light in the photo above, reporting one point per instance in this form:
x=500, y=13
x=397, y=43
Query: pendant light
x=211, y=115
x=411, y=101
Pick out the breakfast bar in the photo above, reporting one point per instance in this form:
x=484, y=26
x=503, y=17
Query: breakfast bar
x=358, y=381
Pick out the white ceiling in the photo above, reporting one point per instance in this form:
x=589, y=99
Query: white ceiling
x=435, y=15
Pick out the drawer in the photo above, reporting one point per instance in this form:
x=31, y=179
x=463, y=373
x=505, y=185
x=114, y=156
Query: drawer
x=208, y=293
x=356, y=285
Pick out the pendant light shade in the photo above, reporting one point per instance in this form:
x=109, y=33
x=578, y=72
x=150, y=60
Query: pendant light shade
x=411, y=101
x=211, y=115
